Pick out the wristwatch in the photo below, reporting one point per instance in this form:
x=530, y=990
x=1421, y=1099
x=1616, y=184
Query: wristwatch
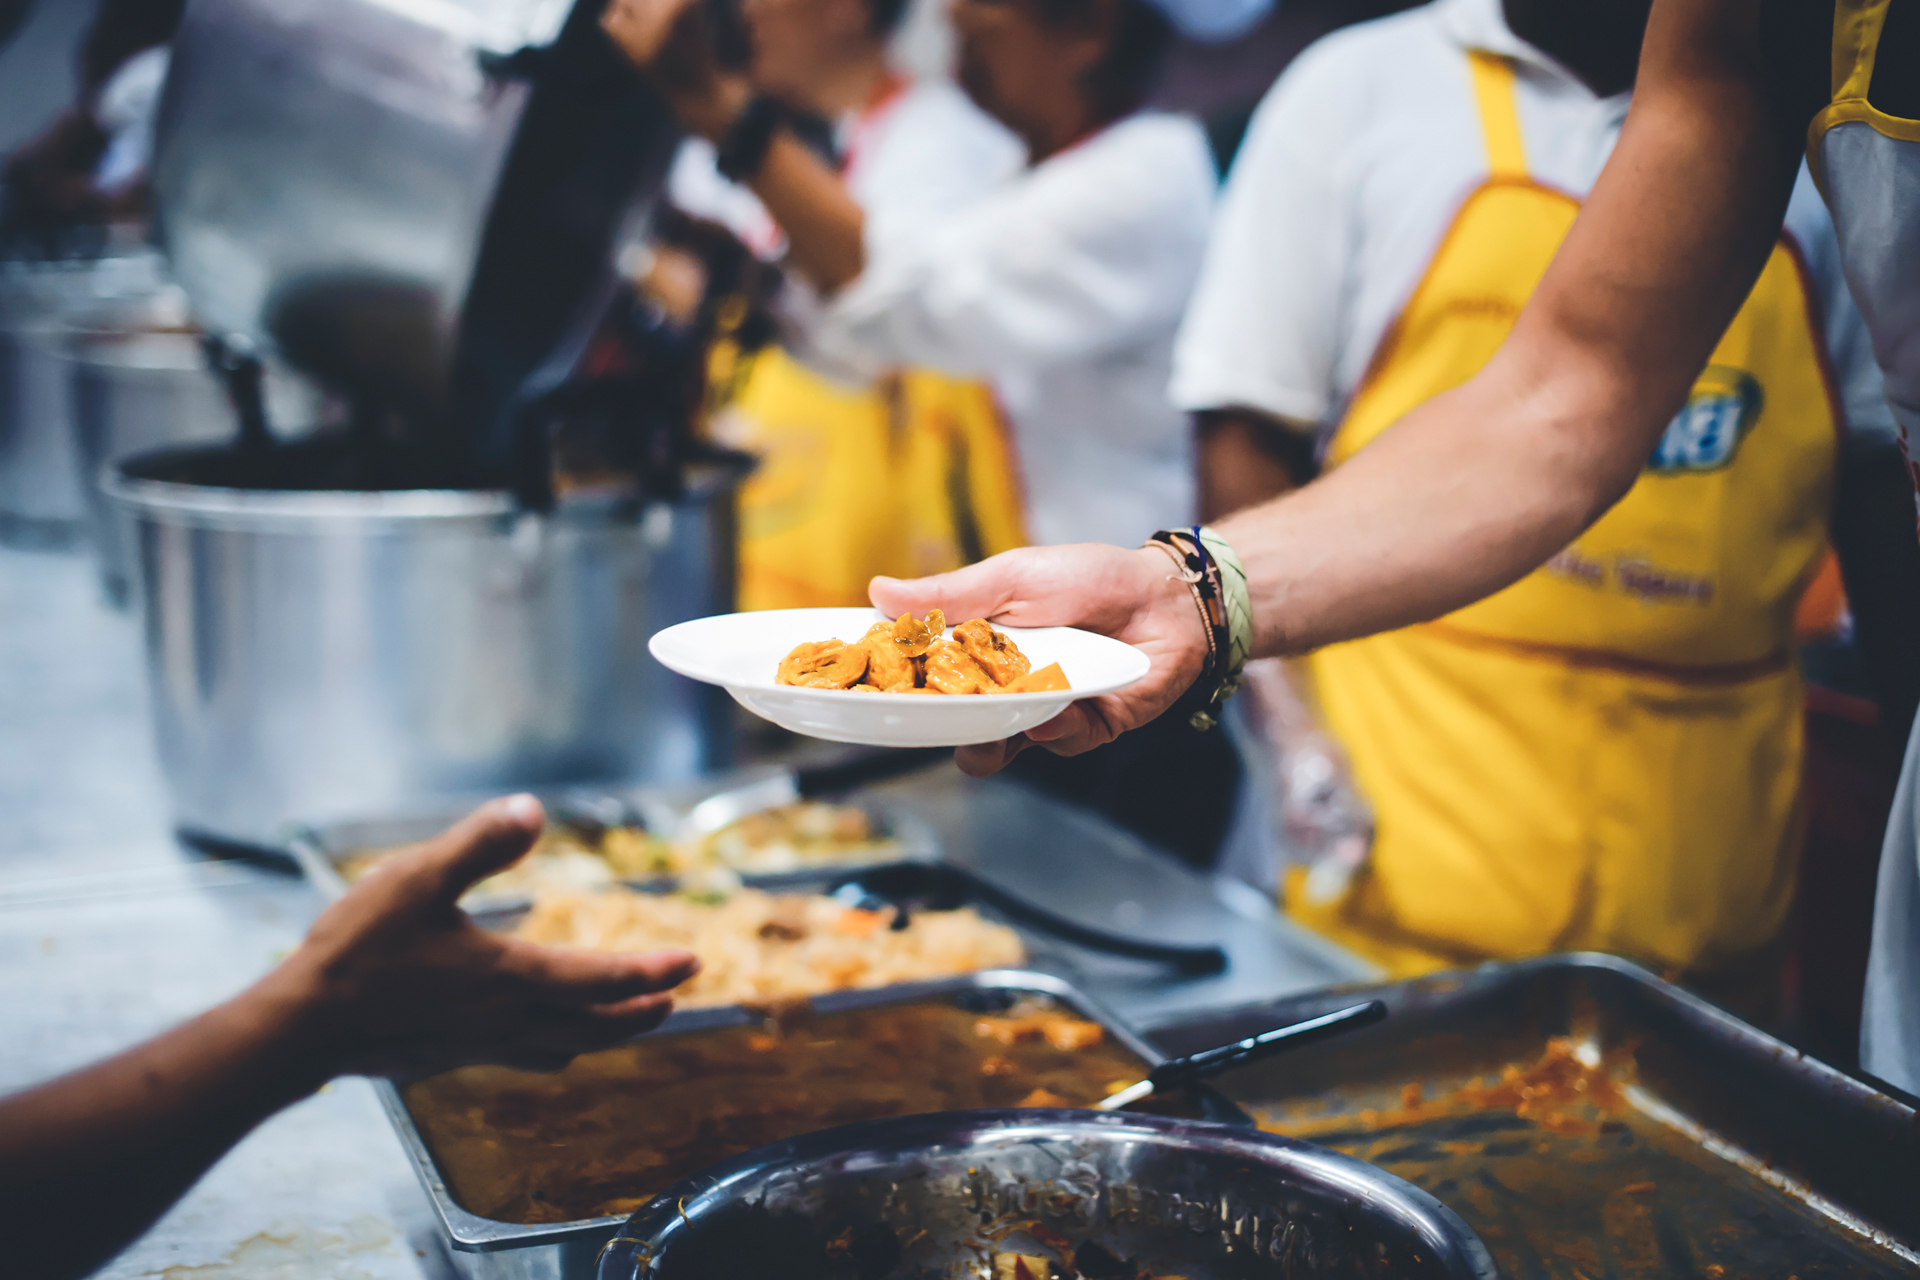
x=743, y=149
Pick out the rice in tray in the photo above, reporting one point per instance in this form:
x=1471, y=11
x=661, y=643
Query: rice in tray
x=757, y=948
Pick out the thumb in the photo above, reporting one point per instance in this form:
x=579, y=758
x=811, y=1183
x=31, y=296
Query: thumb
x=489, y=839
x=977, y=591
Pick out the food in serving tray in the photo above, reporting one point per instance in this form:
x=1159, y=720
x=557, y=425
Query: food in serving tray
x=809, y=833
x=914, y=655
x=760, y=948
x=787, y=838
x=606, y=1133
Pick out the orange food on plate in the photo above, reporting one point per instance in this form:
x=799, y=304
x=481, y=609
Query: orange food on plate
x=913, y=655
x=824, y=664
x=1048, y=679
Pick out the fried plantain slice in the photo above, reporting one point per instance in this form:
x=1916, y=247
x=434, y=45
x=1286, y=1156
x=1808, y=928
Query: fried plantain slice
x=993, y=650
x=951, y=669
x=887, y=667
x=913, y=635
x=823, y=664
x=1048, y=679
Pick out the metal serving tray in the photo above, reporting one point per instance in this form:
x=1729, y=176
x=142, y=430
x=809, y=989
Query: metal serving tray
x=1054, y=949
x=320, y=850
x=1723, y=1153
x=487, y=1249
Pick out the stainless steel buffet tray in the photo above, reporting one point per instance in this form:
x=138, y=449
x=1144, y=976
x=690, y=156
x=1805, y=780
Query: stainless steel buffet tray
x=321, y=850
x=1716, y=1150
x=488, y=1249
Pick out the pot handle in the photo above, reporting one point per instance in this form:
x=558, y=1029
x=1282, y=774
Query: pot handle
x=233, y=362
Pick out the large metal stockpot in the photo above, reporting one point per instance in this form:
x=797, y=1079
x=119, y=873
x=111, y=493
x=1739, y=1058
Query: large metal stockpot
x=41, y=501
x=139, y=380
x=318, y=654
x=414, y=202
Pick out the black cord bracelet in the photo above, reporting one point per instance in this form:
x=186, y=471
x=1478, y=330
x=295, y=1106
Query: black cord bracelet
x=1195, y=567
x=744, y=148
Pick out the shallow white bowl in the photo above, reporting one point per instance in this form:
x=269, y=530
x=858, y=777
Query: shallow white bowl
x=742, y=651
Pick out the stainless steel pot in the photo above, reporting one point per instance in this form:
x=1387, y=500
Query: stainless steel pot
x=317, y=654
x=41, y=502
x=415, y=202
x=937, y=1195
x=139, y=380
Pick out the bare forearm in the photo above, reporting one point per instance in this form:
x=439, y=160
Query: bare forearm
x=393, y=979
x=1245, y=458
x=90, y=1160
x=1484, y=483
x=1453, y=503
x=824, y=226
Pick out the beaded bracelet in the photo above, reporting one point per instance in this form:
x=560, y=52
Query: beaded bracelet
x=1214, y=575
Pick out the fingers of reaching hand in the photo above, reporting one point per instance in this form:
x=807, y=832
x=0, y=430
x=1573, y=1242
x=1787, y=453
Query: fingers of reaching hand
x=548, y=1039
x=584, y=1030
x=577, y=978
x=489, y=839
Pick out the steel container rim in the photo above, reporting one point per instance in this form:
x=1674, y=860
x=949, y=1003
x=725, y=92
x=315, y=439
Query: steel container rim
x=1373, y=1189
x=296, y=510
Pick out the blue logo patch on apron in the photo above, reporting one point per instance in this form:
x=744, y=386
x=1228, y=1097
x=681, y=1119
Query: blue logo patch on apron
x=1709, y=427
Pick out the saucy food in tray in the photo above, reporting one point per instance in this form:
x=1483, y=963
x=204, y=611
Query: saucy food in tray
x=787, y=838
x=758, y=948
x=613, y=1129
x=914, y=655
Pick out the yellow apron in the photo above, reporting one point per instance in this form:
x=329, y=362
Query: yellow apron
x=1606, y=754
x=909, y=478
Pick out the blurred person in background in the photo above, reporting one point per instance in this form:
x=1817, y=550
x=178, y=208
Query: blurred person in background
x=90, y=165
x=392, y=980
x=906, y=470
x=1063, y=287
x=1607, y=754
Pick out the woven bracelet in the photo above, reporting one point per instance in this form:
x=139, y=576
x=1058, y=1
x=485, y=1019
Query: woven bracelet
x=1214, y=595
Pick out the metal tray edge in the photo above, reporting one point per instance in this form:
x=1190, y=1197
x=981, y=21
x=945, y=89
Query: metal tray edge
x=471, y=1233
x=308, y=846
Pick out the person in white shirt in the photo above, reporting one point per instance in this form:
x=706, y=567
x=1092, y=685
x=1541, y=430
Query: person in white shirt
x=1352, y=167
x=909, y=150
x=875, y=470
x=1063, y=286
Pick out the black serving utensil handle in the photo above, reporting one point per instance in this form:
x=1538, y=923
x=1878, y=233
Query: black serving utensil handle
x=1175, y=1073
x=940, y=886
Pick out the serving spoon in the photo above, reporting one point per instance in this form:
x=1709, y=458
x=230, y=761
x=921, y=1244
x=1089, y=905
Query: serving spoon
x=1177, y=1073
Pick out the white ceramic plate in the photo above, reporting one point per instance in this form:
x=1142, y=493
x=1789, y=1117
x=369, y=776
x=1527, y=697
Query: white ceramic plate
x=742, y=651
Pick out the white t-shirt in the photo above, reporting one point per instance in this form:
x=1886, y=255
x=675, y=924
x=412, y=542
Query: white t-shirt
x=1063, y=287
x=916, y=156
x=1351, y=171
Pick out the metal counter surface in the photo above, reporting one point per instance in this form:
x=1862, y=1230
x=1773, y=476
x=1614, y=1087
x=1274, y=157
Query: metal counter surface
x=1081, y=867
x=109, y=932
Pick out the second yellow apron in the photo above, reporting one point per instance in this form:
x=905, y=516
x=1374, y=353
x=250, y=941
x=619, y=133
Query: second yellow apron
x=1606, y=754
x=909, y=478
